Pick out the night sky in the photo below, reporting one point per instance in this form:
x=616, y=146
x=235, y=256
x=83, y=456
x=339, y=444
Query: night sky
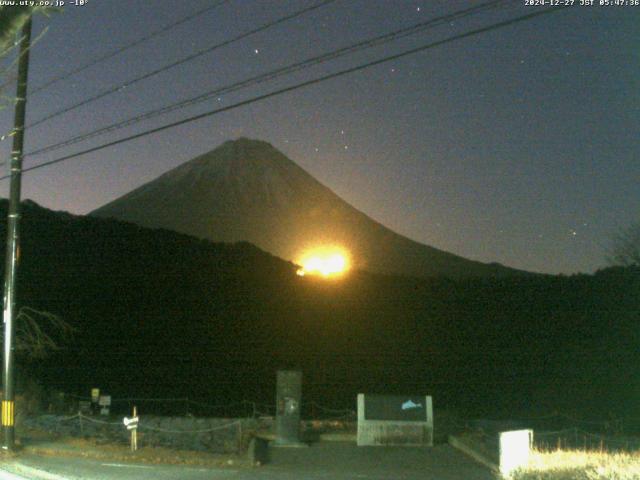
x=519, y=145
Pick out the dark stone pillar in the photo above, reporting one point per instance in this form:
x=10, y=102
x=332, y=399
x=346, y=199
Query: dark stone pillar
x=288, y=398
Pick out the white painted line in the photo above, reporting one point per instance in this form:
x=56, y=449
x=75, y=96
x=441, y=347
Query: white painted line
x=36, y=473
x=5, y=475
x=182, y=467
x=124, y=465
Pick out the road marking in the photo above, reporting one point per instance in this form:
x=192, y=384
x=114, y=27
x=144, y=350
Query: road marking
x=123, y=465
x=6, y=475
x=21, y=468
x=194, y=469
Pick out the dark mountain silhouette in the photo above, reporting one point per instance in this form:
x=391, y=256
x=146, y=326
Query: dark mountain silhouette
x=247, y=190
x=162, y=314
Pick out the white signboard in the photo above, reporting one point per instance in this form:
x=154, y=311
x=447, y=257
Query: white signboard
x=395, y=420
x=130, y=423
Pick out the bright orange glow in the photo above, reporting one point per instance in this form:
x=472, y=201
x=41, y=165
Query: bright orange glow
x=326, y=262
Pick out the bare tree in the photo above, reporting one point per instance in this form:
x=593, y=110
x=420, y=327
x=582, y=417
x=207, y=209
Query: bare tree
x=625, y=250
x=39, y=333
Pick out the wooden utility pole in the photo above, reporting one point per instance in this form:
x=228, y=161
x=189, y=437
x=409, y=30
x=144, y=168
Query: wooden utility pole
x=13, y=244
x=134, y=431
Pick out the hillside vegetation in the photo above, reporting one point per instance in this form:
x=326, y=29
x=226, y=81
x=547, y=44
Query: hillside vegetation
x=163, y=314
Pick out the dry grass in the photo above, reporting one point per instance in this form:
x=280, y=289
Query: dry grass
x=43, y=443
x=580, y=465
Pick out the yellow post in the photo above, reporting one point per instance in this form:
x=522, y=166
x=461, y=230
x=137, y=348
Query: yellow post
x=8, y=415
x=134, y=432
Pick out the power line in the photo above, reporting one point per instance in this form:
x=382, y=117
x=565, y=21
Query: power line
x=128, y=46
x=298, y=86
x=180, y=62
x=309, y=62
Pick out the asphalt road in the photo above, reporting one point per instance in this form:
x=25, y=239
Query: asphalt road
x=52, y=468
x=339, y=461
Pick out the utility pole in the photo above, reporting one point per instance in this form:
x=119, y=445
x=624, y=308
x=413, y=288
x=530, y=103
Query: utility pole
x=13, y=244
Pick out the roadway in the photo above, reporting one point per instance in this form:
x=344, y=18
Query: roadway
x=339, y=461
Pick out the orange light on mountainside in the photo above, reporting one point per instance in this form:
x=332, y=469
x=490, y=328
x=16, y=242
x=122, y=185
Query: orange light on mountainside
x=325, y=261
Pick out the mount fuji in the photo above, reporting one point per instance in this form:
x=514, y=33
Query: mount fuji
x=247, y=190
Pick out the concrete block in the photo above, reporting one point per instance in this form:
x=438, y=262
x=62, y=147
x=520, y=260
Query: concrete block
x=515, y=449
x=503, y=453
x=258, y=451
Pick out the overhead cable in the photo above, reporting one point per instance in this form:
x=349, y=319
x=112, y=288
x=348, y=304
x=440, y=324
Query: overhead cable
x=300, y=85
x=126, y=47
x=271, y=75
x=176, y=63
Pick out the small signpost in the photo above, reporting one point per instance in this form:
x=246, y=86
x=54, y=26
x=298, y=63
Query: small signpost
x=95, y=397
x=132, y=425
x=105, y=402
